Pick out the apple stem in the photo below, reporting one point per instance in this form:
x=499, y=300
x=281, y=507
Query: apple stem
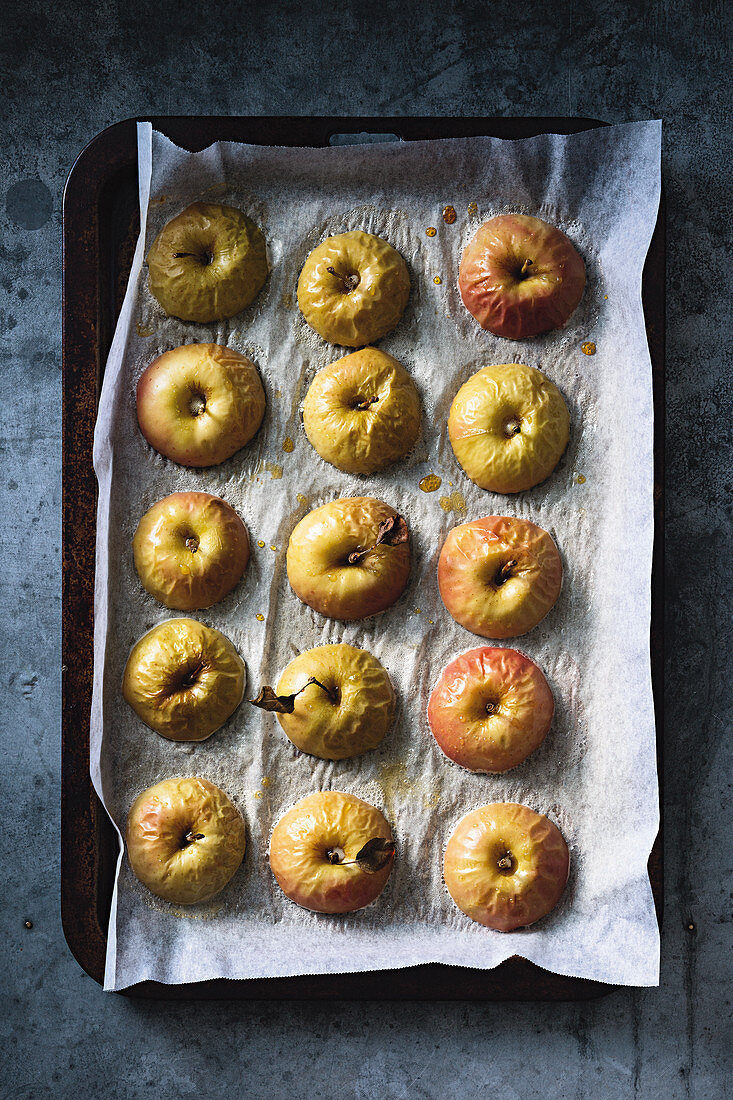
x=191, y=836
x=504, y=572
x=365, y=402
x=206, y=258
x=391, y=532
x=525, y=267
x=505, y=863
x=348, y=282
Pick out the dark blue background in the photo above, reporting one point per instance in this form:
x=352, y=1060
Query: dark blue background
x=72, y=69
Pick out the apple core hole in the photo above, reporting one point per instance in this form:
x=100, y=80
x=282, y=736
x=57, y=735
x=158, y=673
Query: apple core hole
x=506, y=864
x=197, y=403
x=190, y=676
x=492, y=705
x=192, y=543
x=190, y=837
x=512, y=427
x=334, y=855
x=504, y=572
x=364, y=402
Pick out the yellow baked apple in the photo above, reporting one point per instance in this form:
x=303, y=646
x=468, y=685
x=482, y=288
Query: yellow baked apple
x=499, y=576
x=490, y=709
x=190, y=550
x=508, y=427
x=199, y=403
x=353, y=288
x=362, y=412
x=333, y=701
x=520, y=276
x=506, y=866
x=350, y=558
x=207, y=263
x=314, y=852
x=185, y=839
x=184, y=679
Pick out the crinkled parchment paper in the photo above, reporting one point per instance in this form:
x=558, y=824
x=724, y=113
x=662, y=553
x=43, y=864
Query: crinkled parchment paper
x=595, y=775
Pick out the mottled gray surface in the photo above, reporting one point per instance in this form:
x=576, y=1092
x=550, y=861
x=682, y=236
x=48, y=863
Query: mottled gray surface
x=72, y=70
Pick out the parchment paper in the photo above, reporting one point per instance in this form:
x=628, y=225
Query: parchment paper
x=595, y=775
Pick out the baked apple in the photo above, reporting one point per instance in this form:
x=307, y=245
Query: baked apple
x=499, y=576
x=184, y=680
x=333, y=701
x=185, y=840
x=317, y=852
x=190, y=550
x=506, y=866
x=362, y=412
x=207, y=263
x=350, y=558
x=490, y=709
x=508, y=427
x=353, y=288
x=200, y=403
x=520, y=276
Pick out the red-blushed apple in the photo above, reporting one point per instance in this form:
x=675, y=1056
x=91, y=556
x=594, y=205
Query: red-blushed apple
x=506, y=866
x=499, y=576
x=520, y=276
x=490, y=709
x=190, y=550
x=200, y=403
x=317, y=852
x=185, y=839
x=350, y=558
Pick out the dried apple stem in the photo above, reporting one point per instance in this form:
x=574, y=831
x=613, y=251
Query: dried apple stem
x=391, y=532
x=525, y=267
x=285, y=704
x=348, y=282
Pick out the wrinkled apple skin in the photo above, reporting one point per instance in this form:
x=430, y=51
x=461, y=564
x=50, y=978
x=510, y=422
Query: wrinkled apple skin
x=200, y=403
x=540, y=866
x=484, y=591
x=355, y=720
x=318, y=568
x=490, y=709
x=368, y=311
x=207, y=263
x=181, y=871
x=184, y=679
x=189, y=577
x=510, y=304
x=362, y=412
x=508, y=427
x=322, y=821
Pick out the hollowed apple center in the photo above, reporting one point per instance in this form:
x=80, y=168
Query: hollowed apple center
x=190, y=676
x=504, y=572
x=192, y=543
x=334, y=854
x=492, y=705
x=204, y=256
x=189, y=838
x=506, y=864
x=363, y=402
x=197, y=403
x=512, y=426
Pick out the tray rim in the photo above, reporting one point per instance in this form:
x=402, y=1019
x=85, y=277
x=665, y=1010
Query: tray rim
x=84, y=822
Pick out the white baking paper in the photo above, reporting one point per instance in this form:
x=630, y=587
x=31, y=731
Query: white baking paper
x=595, y=775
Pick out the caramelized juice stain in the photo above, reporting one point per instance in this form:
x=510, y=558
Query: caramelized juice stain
x=302, y=499
x=430, y=231
x=275, y=471
x=260, y=543
x=278, y=393
x=265, y=781
x=454, y=503
x=394, y=783
x=143, y=330
x=580, y=479
x=430, y=483
x=472, y=209
x=273, y=547
x=449, y=215
x=260, y=617
x=288, y=445
x=588, y=348
x=437, y=280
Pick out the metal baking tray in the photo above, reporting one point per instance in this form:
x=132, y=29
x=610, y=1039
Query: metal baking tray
x=100, y=228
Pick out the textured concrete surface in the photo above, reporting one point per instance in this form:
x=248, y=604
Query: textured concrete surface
x=71, y=70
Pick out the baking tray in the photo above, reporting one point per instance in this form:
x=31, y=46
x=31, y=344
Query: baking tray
x=100, y=228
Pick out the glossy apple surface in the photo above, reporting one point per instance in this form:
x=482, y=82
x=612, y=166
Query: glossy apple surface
x=352, y=714
x=353, y=288
x=499, y=576
x=520, y=276
x=362, y=412
x=328, y=822
x=207, y=263
x=185, y=839
x=490, y=709
x=506, y=866
x=190, y=550
x=184, y=679
x=508, y=427
x=200, y=403
x=319, y=569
